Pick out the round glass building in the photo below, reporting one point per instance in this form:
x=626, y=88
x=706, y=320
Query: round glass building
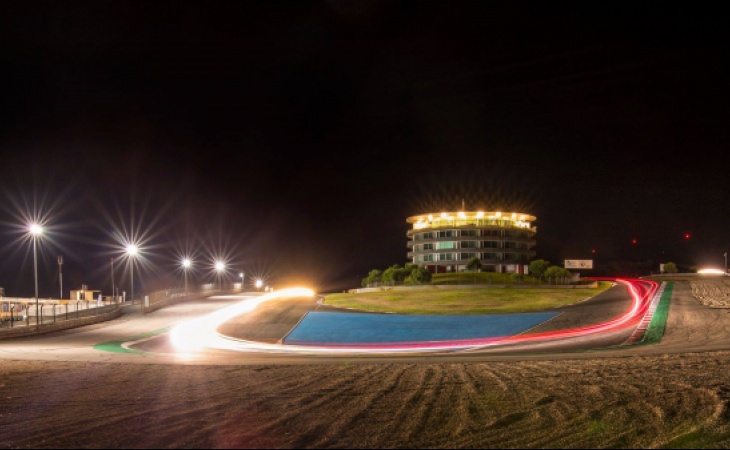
x=446, y=241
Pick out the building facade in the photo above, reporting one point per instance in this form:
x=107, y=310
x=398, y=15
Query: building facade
x=446, y=241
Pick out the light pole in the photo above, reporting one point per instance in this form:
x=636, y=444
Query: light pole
x=60, y=275
x=36, y=230
x=113, y=296
x=725, y=263
x=132, y=252
x=241, y=275
x=186, y=265
x=220, y=266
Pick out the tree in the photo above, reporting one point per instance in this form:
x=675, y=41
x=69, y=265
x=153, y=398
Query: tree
x=474, y=264
x=394, y=274
x=419, y=275
x=375, y=276
x=538, y=267
x=557, y=272
x=670, y=267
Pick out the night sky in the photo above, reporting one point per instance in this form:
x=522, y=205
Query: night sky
x=293, y=139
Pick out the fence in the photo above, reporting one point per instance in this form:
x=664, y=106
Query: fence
x=25, y=312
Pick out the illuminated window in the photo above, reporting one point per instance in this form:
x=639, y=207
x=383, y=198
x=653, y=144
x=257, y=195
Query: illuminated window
x=447, y=245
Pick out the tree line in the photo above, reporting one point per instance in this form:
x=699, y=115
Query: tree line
x=410, y=274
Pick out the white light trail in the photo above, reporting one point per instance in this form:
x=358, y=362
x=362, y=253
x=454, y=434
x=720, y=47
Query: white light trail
x=201, y=333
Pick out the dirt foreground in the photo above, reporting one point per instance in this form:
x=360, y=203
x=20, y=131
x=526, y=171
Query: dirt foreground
x=637, y=402
x=642, y=401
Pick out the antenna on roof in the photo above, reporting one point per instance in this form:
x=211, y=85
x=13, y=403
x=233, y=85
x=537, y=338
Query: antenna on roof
x=462, y=205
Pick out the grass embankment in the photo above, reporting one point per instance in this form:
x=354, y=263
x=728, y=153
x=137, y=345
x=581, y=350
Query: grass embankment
x=480, y=278
x=463, y=301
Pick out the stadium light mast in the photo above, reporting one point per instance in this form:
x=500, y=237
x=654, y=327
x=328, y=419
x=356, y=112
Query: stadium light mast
x=35, y=231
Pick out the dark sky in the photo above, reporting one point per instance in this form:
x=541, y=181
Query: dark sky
x=294, y=139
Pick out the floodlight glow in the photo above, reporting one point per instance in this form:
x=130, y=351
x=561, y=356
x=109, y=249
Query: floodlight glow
x=462, y=215
x=259, y=283
x=220, y=266
x=711, y=271
x=186, y=263
x=240, y=274
x=132, y=250
x=36, y=229
x=480, y=214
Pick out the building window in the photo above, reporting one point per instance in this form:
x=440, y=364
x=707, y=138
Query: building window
x=490, y=244
x=447, y=233
x=493, y=233
x=469, y=233
x=468, y=256
x=446, y=245
x=490, y=256
x=469, y=244
x=446, y=256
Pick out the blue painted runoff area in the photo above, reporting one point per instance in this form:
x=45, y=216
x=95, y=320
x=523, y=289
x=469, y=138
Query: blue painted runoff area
x=355, y=328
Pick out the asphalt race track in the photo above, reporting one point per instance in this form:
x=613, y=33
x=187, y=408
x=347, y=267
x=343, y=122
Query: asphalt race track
x=145, y=339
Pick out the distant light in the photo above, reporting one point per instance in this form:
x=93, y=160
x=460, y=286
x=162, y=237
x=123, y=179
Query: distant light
x=36, y=229
x=186, y=263
x=240, y=274
x=499, y=214
x=444, y=215
x=687, y=236
x=633, y=241
x=220, y=266
x=480, y=214
x=259, y=283
x=593, y=251
x=430, y=217
x=711, y=271
x=132, y=250
x=462, y=215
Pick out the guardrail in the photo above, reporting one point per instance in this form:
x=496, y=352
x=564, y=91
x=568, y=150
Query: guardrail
x=50, y=315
